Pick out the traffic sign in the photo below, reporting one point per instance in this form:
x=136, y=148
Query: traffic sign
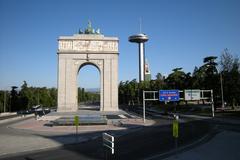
x=175, y=128
x=108, y=141
x=192, y=94
x=169, y=95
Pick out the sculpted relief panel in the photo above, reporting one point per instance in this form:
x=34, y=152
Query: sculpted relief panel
x=64, y=45
x=88, y=46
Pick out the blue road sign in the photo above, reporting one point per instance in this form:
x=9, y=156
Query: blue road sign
x=168, y=95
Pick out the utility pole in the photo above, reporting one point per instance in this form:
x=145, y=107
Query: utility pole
x=10, y=103
x=38, y=96
x=5, y=97
x=212, y=103
x=222, y=90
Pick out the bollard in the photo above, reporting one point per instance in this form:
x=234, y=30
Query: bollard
x=175, y=131
x=76, y=122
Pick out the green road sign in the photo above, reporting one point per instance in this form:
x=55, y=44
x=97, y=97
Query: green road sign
x=175, y=128
x=76, y=120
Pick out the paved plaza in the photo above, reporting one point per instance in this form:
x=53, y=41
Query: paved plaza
x=30, y=134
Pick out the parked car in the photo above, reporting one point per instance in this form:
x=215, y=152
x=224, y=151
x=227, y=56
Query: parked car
x=40, y=111
x=23, y=112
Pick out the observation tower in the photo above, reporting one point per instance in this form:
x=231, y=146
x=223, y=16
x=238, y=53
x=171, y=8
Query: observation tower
x=140, y=39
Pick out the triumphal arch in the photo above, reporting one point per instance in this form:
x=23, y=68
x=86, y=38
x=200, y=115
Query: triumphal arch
x=87, y=47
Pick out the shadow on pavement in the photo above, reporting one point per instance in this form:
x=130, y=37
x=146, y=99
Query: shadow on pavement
x=138, y=144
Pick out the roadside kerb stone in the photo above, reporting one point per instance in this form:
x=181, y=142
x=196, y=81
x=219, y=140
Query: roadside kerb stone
x=16, y=118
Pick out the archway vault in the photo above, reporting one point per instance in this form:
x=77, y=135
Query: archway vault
x=80, y=63
x=78, y=50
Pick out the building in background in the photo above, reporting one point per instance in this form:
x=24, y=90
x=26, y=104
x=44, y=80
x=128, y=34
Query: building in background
x=147, y=71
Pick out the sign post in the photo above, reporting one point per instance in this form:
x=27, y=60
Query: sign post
x=212, y=103
x=143, y=106
x=175, y=128
x=175, y=131
x=76, y=122
x=152, y=97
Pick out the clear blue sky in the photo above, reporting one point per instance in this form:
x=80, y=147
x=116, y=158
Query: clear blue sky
x=181, y=33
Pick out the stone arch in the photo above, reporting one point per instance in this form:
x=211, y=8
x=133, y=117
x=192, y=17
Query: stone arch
x=79, y=50
x=89, y=63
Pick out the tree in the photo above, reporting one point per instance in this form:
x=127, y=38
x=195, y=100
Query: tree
x=53, y=95
x=209, y=75
x=121, y=93
x=82, y=98
x=159, y=76
x=14, y=99
x=229, y=69
x=188, y=81
x=210, y=65
x=158, y=83
x=24, y=96
x=27, y=97
x=176, y=80
x=87, y=97
x=226, y=61
x=130, y=89
x=197, y=78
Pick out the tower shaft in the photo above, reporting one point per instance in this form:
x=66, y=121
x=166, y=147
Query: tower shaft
x=141, y=62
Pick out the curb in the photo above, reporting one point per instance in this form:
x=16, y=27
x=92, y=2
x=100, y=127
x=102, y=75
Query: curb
x=16, y=118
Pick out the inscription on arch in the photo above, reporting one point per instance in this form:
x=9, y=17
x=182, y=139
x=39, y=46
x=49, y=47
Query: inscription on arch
x=88, y=46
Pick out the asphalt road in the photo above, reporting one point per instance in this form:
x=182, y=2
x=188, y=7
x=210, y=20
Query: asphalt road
x=142, y=144
x=224, y=145
x=136, y=145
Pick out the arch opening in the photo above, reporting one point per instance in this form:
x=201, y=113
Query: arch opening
x=89, y=86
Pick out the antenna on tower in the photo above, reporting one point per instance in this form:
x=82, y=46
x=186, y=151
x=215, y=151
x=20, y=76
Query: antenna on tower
x=140, y=25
